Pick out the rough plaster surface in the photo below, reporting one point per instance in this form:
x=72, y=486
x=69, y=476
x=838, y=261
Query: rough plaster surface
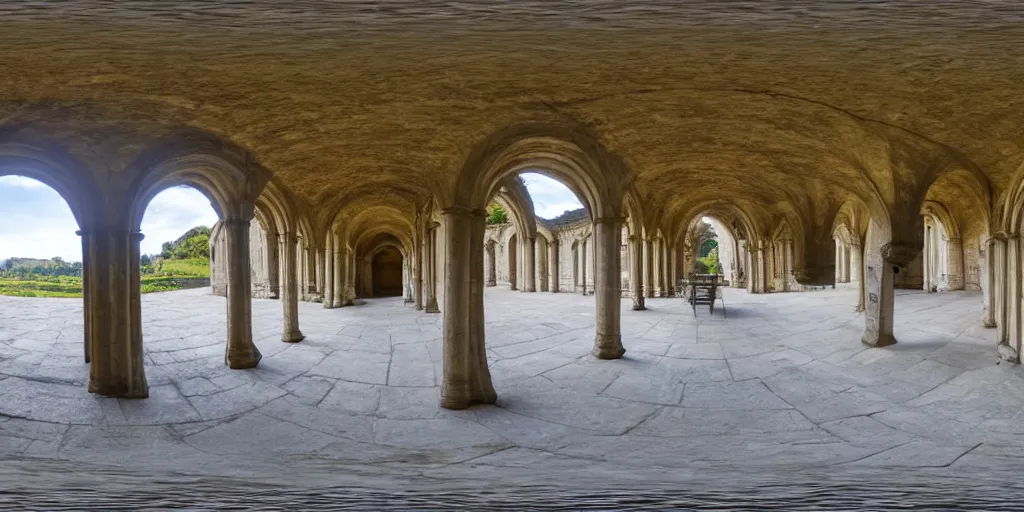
x=785, y=377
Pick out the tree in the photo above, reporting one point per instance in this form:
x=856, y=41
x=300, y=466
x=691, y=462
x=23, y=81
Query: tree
x=496, y=215
x=146, y=260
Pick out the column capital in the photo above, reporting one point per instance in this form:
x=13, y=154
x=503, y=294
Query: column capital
x=462, y=211
x=290, y=237
x=236, y=221
x=607, y=220
x=953, y=240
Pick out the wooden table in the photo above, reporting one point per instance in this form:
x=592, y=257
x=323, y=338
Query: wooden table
x=702, y=292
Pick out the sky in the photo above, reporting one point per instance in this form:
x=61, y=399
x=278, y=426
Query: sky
x=35, y=222
x=550, y=197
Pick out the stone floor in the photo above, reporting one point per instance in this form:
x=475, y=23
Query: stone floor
x=783, y=382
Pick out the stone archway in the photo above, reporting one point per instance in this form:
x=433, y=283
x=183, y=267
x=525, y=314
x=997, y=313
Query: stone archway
x=387, y=273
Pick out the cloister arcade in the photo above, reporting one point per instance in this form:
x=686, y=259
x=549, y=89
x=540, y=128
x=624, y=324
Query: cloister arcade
x=437, y=252
x=866, y=194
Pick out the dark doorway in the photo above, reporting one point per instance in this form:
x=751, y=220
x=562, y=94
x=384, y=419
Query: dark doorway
x=387, y=273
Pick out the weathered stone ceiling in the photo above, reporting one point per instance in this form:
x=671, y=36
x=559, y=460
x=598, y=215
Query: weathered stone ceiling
x=753, y=100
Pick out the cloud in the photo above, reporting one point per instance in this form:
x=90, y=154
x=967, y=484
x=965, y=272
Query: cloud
x=171, y=213
x=550, y=197
x=35, y=221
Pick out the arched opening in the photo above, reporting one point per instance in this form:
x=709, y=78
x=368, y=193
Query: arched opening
x=595, y=177
x=387, y=272
x=41, y=264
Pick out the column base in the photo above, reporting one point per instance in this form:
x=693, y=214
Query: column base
x=274, y=294
x=419, y=307
x=244, y=358
x=119, y=389
x=490, y=284
x=432, y=306
x=989, y=324
x=1008, y=354
x=329, y=305
x=883, y=340
x=458, y=396
x=293, y=337
x=608, y=346
x=638, y=304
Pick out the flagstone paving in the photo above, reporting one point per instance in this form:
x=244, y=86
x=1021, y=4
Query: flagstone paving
x=783, y=381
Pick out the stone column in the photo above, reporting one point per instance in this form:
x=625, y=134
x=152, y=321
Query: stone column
x=492, y=270
x=241, y=352
x=431, y=258
x=659, y=266
x=542, y=269
x=273, y=265
x=349, y=295
x=857, y=269
x=553, y=263
x=86, y=293
x=329, y=270
x=636, y=270
x=673, y=274
x=955, y=256
x=926, y=261
x=418, y=264
x=583, y=265
x=751, y=264
x=1000, y=288
x=741, y=264
x=1014, y=274
x=529, y=264
x=607, y=287
x=111, y=268
x=290, y=303
x=321, y=270
x=341, y=270
x=648, y=267
x=310, y=255
x=989, y=319
x=881, y=292
x=465, y=380
x=839, y=262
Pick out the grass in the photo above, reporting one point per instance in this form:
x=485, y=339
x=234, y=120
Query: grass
x=69, y=287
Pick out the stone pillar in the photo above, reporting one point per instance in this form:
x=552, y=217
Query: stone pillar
x=290, y=303
x=273, y=265
x=111, y=267
x=1000, y=288
x=491, y=267
x=839, y=262
x=927, y=262
x=542, y=269
x=241, y=352
x=659, y=266
x=529, y=264
x=329, y=270
x=310, y=256
x=553, y=263
x=648, y=267
x=418, y=264
x=465, y=380
x=955, y=257
x=1014, y=274
x=348, y=298
x=857, y=273
x=743, y=264
x=989, y=319
x=673, y=275
x=583, y=265
x=431, y=258
x=341, y=269
x=607, y=287
x=636, y=270
x=881, y=292
x=86, y=294
x=321, y=270
x=752, y=273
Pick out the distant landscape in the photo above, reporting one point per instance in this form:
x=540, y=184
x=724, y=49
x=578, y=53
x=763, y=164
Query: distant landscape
x=179, y=263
